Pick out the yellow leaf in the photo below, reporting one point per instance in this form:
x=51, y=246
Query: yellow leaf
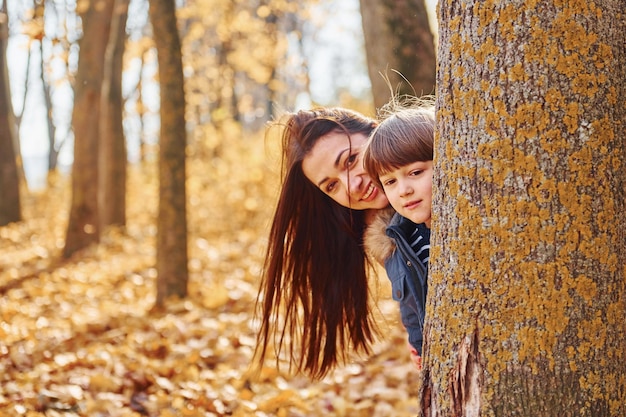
x=104, y=383
x=215, y=297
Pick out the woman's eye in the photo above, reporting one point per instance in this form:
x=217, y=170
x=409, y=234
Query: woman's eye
x=330, y=187
x=351, y=160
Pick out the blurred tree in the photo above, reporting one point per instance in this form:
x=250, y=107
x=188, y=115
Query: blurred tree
x=141, y=109
x=112, y=148
x=53, y=147
x=237, y=63
x=139, y=67
x=527, y=301
x=47, y=24
x=83, y=227
x=398, y=38
x=37, y=34
x=17, y=115
x=61, y=41
x=172, y=271
x=10, y=210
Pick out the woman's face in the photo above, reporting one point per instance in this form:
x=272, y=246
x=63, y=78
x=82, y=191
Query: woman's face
x=337, y=169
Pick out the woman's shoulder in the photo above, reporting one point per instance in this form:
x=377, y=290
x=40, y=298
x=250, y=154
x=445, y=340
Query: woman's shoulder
x=377, y=244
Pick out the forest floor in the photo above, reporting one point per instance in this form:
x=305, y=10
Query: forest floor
x=79, y=337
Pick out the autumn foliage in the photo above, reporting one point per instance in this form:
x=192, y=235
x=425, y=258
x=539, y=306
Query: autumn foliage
x=78, y=337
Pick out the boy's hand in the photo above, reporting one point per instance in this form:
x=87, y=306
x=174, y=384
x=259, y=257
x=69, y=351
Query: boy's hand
x=415, y=357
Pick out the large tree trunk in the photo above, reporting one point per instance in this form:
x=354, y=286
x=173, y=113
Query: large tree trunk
x=10, y=210
x=112, y=149
x=398, y=38
x=527, y=300
x=172, y=219
x=83, y=227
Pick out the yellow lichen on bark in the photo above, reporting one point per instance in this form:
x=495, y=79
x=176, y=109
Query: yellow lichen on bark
x=486, y=50
x=516, y=73
x=508, y=15
x=571, y=118
x=528, y=119
x=484, y=11
x=554, y=99
x=543, y=191
x=603, y=55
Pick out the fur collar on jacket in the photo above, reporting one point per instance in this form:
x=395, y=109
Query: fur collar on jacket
x=377, y=244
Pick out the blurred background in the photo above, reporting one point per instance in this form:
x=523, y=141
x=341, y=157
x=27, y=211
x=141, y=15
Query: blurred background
x=320, y=57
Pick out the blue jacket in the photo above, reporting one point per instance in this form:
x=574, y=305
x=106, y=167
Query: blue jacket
x=406, y=272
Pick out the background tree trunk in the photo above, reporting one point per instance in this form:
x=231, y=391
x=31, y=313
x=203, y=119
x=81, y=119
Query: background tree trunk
x=112, y=149
x=83, y=227
x=527, y=298
x=53, y=151
x=398, y=37
x=172, y=218
x=10, y=210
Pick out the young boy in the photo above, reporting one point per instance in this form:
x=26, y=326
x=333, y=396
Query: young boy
x=399, y=156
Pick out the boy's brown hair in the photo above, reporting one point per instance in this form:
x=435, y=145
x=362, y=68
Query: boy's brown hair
x=404, y=136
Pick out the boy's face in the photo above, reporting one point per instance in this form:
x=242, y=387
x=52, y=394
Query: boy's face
x=409, y=190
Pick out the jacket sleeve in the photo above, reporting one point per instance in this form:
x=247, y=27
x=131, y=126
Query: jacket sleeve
x=415, y=337
x=411, y=314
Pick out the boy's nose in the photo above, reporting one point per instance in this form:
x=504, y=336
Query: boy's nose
x=405, y=190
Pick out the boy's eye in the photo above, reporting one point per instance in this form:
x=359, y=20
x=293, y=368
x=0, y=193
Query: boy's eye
x=388, y=182
x=416, y=172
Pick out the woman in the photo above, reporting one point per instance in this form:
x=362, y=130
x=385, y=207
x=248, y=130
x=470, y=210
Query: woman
x=314, y=295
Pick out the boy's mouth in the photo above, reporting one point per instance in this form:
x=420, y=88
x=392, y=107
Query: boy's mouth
x=412, y=204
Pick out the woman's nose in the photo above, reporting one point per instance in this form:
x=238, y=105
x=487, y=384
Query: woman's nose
x=355, y=183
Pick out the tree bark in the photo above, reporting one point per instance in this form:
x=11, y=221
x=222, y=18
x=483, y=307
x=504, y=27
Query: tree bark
x=398, y=38
x=172, y=219
x=112, y=151
x=10, y=206
x=83, y=227
x=527, y=300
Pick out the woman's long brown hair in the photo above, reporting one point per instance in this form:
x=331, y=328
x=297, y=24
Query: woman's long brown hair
x=313, y=299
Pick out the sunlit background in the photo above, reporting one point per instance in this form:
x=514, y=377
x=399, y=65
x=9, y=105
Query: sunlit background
x=336, y=63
